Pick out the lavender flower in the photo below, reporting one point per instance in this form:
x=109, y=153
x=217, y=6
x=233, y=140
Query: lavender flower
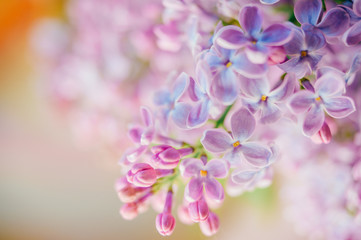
x=243, y=125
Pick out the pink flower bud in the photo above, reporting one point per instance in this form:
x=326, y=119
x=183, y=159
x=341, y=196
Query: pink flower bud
x=211, y=225
x=165, y=223
x=323, y=135
x=127, y=192
x=277, y=55
x=198, y=210
x=142, y=175
x=129, y=211
x=183, y=215
x=165, y=157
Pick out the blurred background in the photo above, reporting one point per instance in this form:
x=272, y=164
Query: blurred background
x=50, y=188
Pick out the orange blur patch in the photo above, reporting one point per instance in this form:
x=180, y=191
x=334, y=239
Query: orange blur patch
x=203, y=173
x=318, y=99
x=264, y=98
x=236, y=144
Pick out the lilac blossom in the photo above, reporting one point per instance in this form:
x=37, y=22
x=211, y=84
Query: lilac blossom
x=198, y=210
x=353, y=35
x=259, y=97
x=211, y=225
x=225, y=65
x=243, y=125
x=326, y=95
x=304, y=52
x=143, y=135
x=268, y=2
x=309, y=12
x=257, y=43
x=203, y=175
x=173, y=108
x=165, y=222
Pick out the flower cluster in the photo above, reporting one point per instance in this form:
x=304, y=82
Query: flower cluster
x=226, y=89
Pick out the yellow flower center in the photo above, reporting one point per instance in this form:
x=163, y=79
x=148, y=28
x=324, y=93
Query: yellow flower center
x=264, y=98
x=203, y=173
x=318, y=98
x=228, y=64
x=236, y=144
x=254, y=42
x=304, y=53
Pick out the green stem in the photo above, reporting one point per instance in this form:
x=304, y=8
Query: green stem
x=323, y=6
x=220, y=121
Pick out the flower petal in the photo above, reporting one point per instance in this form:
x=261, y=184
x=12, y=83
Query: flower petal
x=256, y=154
x=329, y=84
x=251, y=20
x=254, y=87
x=214, y=189
x=276, y=35
x=217, y=168
x=194, y=190
x=270, y=113
x=339, y=107
x=162, y=97
x=199, y=114
x=194, y=91
x=243, y=176
x=308, y=11
x=246, y=68
x=357, y=7
x=180, y=114
x=180, y=86
x=135, y=134
x=301, y=101
x=225, y=86
x=231, y=37
x=314, y=38
x=243, y=124
x=296, y=65
x=216, y=140
x=257, y=54
x=234, y=157
x=335, y=22
x=269, y=2
x=295, y=45
x=191, y=167
x=353, y=35
x=313, y=121
x=285, y=89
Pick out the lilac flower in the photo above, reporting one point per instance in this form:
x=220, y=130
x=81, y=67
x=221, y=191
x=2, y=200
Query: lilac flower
x=167, y=157
x=142, y=175
x=257, y=43
x=199, y=93
x=225, y=65
x=198, y=210
x=309, y=12
x=211, y=225
x=243, y=125
x=325, y=96
x=143, y=135
x=304, y=52
x=203, y=175
x=165, y=222
x=178, y=111
x=259, y=97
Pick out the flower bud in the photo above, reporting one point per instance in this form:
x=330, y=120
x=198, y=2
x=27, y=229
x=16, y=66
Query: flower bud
x=142, y=175
x=127, y=192
x=198, y=210
x=210, y=226
x=323, y=135
x=165, y=223
x=165, y=157
x=129, y=211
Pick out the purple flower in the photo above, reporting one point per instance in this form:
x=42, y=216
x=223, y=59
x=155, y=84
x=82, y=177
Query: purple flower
x=199, y=93
x=165, y=222
x=178, y=111
x=303, y=50
x=143, y=135
x=243, y=125
x=203, y=175
x=225, y=65
x=257, y=42
x=259, y=97
x=353, y=35
x=325, y=96
x=309, y=12
x=198, y=210
x=167, y=157
x=211, y=225
x=142, y=175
